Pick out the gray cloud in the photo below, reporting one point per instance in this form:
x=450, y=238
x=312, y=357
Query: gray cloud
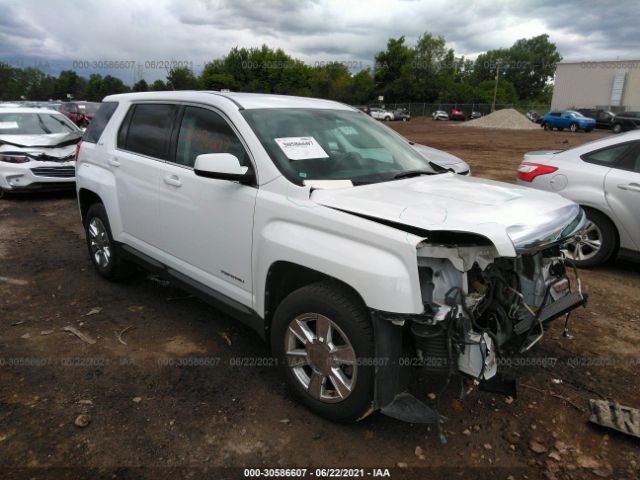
x=145, y=31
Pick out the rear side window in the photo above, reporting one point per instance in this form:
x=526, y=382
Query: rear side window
x=99, y=122
x=147, y=129
x=204, y=131
x=608, y=156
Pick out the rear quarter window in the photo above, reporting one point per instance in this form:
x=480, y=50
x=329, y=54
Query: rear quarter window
x=99, y=122
x=147, y=129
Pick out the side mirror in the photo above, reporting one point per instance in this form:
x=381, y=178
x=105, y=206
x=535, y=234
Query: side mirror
x=222, y=166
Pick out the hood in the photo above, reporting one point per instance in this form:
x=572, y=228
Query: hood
x=515, y=219
x=53, y=140
x=441, y=158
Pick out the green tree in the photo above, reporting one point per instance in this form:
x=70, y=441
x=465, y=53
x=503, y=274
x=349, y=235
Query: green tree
x=529, y=64
x=393, y=75
x=158, y=86
x=181, y=78
x=70, y=83
x=140, y=86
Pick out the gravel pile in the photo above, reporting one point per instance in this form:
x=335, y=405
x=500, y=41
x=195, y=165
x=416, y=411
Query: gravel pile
x=508, y=118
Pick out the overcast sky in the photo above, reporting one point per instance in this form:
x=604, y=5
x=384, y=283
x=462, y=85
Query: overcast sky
x=55, y=34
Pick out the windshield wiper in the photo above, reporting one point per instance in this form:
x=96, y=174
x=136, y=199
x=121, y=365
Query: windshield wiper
x=411, y=173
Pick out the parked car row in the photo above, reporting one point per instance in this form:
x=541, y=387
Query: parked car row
x=454, y=114
x=79, y=112
x=587, y=119
x=400, y=114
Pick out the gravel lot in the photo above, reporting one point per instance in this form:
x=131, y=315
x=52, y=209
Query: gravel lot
x=169, y=399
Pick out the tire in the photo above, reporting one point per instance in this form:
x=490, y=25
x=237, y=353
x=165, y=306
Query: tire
x=616, y=128
x=560, y=129
x=588, y=130
x=601, y=229
x=573, y=127
x=104, y=255
x=546, y=127
x=351, y=330
x=387, y=119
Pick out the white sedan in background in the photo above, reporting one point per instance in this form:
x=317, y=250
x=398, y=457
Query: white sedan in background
x=382, y=114
x=604, y=178
x=37, y=148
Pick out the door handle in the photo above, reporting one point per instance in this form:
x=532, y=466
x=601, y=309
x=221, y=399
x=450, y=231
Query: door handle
x=172, y=180
x=113, y=162
x=633, y=187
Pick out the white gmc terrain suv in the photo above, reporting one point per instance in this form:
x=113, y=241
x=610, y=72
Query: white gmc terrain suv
x=357, y=258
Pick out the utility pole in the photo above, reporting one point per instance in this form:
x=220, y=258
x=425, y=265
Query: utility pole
x=495, y=88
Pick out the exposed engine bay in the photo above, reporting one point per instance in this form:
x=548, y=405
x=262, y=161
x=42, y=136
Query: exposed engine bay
x=480, y=306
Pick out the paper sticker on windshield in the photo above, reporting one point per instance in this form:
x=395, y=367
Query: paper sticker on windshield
x=8, y=125
x=348, y=130
x=301, y=148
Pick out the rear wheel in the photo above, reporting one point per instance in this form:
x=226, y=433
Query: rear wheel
x=546, y=126
x=102, y=249
x=387, y=118
x=322, y=335
x=596, y=244
x=617, y=128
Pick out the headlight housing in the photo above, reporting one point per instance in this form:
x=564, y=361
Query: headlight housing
x=13, y=158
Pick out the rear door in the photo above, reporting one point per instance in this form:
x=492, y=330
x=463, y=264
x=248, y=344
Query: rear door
x=206, y=224
x=622, y=187
x=138, y=164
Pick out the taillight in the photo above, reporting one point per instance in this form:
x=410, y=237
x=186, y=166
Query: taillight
x=78, y=150
x=528, y=171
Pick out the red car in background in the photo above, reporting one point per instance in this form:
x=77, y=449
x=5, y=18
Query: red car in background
x=88, y=109
x=456, y=114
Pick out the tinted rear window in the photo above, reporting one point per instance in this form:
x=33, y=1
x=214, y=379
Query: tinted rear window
x=148, y=129
x=99, y=122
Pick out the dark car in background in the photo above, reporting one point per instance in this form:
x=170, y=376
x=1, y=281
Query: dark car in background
x=456, y=114
x=603, y=118
x=535, y=117
x=401, y=114
x=569, y=119
x=73, y=113
x=475, y=115
x=625, y=121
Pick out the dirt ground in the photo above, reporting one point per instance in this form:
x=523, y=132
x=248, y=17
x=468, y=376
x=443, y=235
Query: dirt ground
x=168, y=399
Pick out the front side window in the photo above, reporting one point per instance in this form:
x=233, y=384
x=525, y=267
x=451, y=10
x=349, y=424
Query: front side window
x=204, y=131
x=320, y=144
x=149, y=129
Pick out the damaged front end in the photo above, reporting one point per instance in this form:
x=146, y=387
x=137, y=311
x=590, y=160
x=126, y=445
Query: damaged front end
x=478, y=306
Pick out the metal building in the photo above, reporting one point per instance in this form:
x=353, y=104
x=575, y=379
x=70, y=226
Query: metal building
x=613, y=85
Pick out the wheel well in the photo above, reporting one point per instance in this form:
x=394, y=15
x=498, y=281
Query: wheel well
x=615, y=228
x=86, y=198
x=286, y=277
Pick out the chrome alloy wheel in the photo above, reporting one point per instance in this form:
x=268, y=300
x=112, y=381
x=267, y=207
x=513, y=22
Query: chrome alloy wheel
x=321, y=357
x=99, y=244
x=587, y=244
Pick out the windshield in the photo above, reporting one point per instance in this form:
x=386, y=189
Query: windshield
x=318, y=144
x=34, y=124
x=577, y=115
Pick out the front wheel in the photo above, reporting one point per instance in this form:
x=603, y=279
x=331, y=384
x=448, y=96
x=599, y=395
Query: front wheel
x=322, y=337
x=387, y=119
x=102, y=249
x=573, y=127
x=617, y=128
x=596, y=244
x=546, y=127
